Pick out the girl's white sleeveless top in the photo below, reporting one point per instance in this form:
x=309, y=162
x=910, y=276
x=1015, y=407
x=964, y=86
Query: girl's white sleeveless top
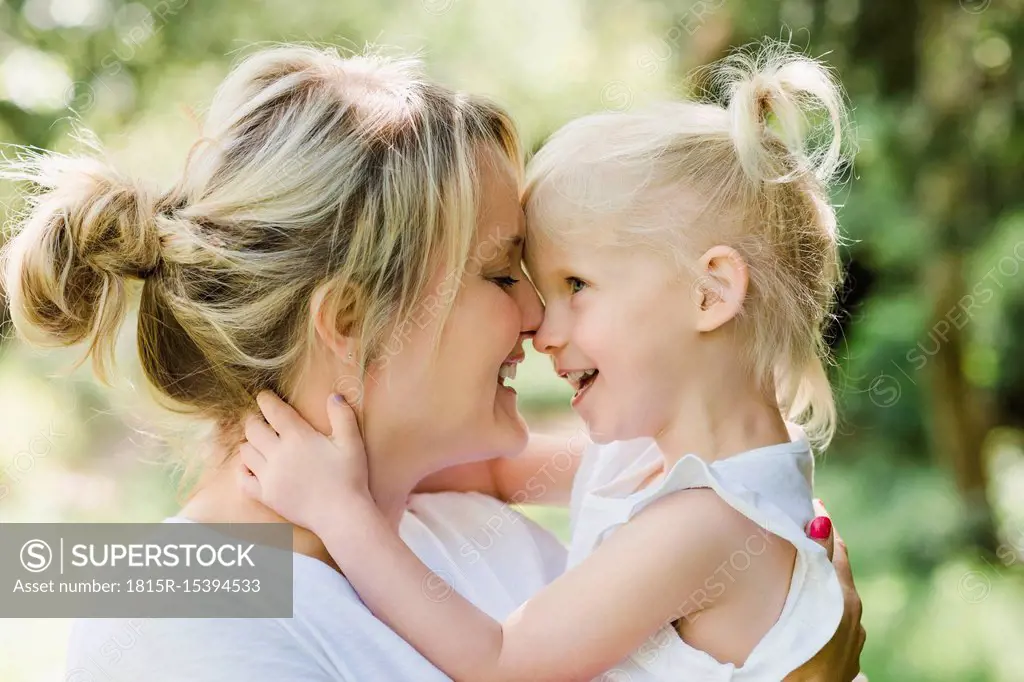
x=772, y=486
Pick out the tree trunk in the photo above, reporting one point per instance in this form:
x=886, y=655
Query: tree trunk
x=958, y=421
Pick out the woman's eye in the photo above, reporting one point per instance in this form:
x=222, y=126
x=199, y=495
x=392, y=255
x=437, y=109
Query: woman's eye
x=505, y=282
x=575, y=284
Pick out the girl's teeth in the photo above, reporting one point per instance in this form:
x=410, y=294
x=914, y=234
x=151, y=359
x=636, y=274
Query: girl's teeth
x=507, y=372
x=576, y=378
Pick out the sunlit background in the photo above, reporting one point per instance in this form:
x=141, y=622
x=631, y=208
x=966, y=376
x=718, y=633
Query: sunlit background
x=925, y=480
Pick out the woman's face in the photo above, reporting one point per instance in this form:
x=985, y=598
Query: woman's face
x=432, y=409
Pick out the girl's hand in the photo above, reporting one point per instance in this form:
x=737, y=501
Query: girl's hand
x=839, y=661
x=299, y=472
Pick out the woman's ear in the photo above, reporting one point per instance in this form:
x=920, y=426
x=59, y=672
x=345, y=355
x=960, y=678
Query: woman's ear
x=720, y=287
x=335, y=314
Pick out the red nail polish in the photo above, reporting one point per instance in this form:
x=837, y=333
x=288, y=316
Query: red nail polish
x=820, y=528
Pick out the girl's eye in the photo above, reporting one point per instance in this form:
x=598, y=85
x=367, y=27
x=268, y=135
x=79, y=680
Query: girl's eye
x=575, y=284
x=505, y=282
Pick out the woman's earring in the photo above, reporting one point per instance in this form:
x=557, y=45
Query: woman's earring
x=350, y=356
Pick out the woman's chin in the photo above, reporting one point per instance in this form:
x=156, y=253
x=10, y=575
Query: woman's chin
x=510, y=422
x=506, y=392
x=505, y=399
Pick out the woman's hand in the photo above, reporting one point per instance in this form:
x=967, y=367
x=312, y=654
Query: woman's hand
x=839, y=660
x=299, y=472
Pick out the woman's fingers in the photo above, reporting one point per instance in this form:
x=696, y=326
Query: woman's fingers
x=260, y=433
x=852, y=605
x=820, y=528
x=857, y=675
x=280, y=414
x=841, y=562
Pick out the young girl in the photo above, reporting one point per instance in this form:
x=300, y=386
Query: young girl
x=687, y=257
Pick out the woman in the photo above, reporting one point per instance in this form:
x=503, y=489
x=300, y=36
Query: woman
x=346, y=226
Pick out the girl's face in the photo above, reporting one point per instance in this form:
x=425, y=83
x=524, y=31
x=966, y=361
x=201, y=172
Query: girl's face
x=452, y=406
x=618, y=327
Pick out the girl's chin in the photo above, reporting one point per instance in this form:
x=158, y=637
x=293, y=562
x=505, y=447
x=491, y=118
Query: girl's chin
x=600, y=437
x=603, y=431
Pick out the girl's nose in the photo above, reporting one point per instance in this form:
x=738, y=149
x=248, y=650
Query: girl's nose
x=548, y=338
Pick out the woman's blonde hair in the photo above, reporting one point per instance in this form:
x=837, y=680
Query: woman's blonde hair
x=752, y=173
x=354, y=178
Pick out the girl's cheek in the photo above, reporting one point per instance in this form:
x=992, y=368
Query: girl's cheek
x=585, y=327
x=603, y=339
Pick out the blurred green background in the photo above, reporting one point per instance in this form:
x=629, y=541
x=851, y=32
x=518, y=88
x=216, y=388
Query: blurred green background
x=926, y=478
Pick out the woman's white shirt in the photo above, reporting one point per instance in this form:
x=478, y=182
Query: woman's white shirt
x=491, y=554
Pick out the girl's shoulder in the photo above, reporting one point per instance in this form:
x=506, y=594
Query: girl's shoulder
x=766, y=488
x=604, y=464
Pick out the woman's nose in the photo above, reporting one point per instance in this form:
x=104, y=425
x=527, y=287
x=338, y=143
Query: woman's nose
x=530, y=307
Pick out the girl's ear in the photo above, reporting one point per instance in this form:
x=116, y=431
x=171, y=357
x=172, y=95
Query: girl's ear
x=335, y=314
x=720, y=287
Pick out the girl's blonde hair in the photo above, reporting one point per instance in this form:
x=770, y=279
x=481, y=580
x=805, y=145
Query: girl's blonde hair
x=753, y=174
x=354, y=178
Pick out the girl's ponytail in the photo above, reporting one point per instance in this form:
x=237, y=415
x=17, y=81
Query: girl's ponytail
x=787, y=120
x=786, y=111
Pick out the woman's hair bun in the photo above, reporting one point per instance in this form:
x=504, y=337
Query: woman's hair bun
x=86, y=230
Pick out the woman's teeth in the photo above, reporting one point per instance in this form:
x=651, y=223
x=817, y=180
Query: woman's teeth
x=507, y=371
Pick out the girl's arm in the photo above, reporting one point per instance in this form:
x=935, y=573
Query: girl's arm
x=542, y=474
x=644, y=576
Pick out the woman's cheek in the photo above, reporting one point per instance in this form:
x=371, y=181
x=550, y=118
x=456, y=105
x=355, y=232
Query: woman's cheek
x=507, y=316
x=489, y=325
